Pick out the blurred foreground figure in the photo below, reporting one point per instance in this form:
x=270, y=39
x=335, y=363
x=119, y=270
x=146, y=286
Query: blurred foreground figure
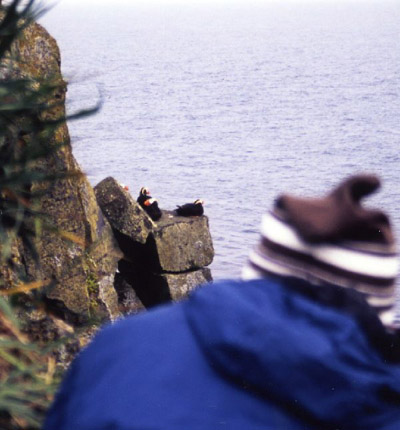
x=306, y=341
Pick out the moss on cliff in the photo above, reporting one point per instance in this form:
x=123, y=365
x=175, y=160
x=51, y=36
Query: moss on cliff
x=68, y=203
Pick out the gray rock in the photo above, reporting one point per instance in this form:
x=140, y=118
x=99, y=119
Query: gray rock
x=82, y=268
x=140, y=287
x=181, y=284
x=180, y=243
x=172, y=244
x=123, y=213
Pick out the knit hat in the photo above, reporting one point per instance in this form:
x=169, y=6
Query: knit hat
x=331, y=240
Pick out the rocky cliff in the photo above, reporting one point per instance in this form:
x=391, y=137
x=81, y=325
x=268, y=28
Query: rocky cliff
x=82, y=270
x=95, y=235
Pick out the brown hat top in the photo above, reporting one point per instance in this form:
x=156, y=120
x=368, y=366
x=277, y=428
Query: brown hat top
x=339, y=216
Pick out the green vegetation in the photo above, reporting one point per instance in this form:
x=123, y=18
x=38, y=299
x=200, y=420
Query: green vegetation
x=92, y=284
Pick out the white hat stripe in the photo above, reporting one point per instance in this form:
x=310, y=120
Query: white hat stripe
x=365, y=263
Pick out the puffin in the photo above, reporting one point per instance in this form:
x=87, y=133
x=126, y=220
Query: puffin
x=191, y=209
x=149, y=204
x=144, y=194
x=152, y=209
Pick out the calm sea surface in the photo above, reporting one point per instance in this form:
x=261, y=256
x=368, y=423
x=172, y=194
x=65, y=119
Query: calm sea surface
x=235, y=104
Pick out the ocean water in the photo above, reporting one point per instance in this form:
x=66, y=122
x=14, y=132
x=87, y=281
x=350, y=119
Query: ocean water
x=235, y=104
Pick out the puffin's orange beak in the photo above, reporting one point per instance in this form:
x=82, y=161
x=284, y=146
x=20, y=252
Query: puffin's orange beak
x=147, y=203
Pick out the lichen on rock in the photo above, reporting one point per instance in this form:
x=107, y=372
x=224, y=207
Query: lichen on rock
x=68, y=203
x=182, y=243
x=122, y=211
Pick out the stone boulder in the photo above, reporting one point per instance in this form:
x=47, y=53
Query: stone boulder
x=180, y=285
x=82, y=256
x=122, y=211
x=172, y=244
x=181, y=243
x=163, y=260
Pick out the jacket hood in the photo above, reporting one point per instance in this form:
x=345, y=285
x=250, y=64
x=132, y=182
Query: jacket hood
x=310, y=358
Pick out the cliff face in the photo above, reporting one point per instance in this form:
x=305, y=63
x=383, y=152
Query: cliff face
x=83, y=269
x=159, y=261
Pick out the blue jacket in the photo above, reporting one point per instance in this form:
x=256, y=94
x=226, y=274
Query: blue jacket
x=257, y=355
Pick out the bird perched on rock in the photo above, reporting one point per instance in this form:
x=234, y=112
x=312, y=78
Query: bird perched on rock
x=152, y=209
x=191, y=209
x=149, y=204
x=144, y=194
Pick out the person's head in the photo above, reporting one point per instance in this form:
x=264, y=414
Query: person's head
x=144, y=191
x=331, y=240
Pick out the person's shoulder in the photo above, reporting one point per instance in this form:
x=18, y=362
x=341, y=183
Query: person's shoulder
x=219, y=302
x=231, y=291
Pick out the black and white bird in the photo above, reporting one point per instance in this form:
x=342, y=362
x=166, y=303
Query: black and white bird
x=144, y=194
x=191, y=209
x=152, y=209
x=149, y=204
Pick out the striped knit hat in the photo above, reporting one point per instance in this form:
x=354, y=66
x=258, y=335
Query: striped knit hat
x=331, y=240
